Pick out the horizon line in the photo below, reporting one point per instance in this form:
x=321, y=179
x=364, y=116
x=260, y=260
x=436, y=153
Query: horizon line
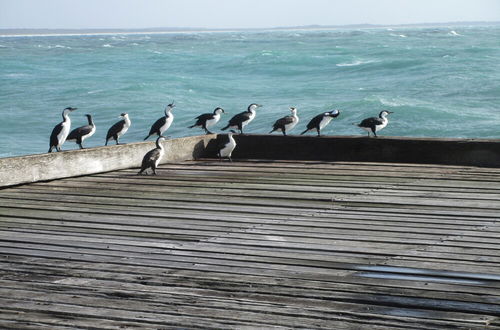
x=65, y=31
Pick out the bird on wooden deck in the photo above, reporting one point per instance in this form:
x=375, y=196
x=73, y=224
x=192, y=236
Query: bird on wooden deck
x=82, y=133
x=153, y=157
x=208, y=120
x=60, y=131
x=118, y=129
x=320, y=121
x=286, y=123
x=161, y=125
x=243, y=118
x=375, y=124
x=226, y=146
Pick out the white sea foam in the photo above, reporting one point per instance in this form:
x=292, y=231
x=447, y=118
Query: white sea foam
x=15, y=75
x=355, y=63
x=454, y=33
x=96, y=91
x=398, y=35
x=107, y=45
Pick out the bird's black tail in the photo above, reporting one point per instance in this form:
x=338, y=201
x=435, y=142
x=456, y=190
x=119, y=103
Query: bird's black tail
x=146, y=137
x=192, y=126
x=225, y=128
x=50, y=149
x=304, y=132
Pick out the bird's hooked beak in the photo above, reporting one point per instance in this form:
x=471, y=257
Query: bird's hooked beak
x=71, y=109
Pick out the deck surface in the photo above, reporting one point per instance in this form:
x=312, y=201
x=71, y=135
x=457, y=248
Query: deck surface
x=208, y=244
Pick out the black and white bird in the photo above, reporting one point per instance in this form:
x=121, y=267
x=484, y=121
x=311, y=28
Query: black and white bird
x=320, y=121
x=226, y=146
x=208, y=120
x=375, y=124
x=61, y=130
x=243, y=118
x=118, y=129
x=153, y=157
x=82, y=133
x=162, y=124
x=286, y=123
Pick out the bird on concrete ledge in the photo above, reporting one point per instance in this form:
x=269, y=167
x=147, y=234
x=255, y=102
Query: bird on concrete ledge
x=118, y=129
x=286, y=123
x=320, y=121
x=82, y=133
x=60, y=131
x=208, y=120
x=374, y=124
x=161, y=125
x=243, y=118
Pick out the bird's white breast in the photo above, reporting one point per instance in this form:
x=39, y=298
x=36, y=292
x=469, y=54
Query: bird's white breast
x=157, y=162
x=228, y=148
x=385, y=121
x=92, y=131
x=63, y=134
x=213, y=121
x=295, y=120
x=250, y=118
x=324, y=121
x=168, y=122
x=125, y=127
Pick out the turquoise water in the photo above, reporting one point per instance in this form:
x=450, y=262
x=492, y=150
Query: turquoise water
x=440, y=82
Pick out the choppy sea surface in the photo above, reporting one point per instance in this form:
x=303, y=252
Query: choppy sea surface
x=439, y=81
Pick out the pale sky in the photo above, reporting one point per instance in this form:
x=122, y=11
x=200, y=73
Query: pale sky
x=237, y=13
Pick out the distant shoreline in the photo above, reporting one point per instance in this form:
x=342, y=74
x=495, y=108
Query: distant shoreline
x=168, y=30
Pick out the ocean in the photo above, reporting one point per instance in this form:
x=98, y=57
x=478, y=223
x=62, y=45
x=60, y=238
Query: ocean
x=438, y=81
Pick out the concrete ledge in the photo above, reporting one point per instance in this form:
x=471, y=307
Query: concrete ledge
x=42, y=167
x=468, y=152
x=56, y=165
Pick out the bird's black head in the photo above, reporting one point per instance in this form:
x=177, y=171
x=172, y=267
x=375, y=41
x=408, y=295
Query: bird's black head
x=253, y=106
x=70, y=109
x=384, y=113
x=88, y=115
x=333, y=113
x=218, y=110
x=123, y=114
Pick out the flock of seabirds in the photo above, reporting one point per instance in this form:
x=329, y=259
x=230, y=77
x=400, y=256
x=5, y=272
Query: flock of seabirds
x=62, y=132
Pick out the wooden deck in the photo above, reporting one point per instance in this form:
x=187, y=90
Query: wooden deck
x=253, y=244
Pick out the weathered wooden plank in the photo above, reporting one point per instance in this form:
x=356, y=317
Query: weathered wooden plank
x=285, y=311
x=52, y=270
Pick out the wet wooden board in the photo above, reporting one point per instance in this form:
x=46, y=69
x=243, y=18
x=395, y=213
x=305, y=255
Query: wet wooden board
x=254, y=244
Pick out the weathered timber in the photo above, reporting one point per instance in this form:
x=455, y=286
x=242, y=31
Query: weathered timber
x=254, y=244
